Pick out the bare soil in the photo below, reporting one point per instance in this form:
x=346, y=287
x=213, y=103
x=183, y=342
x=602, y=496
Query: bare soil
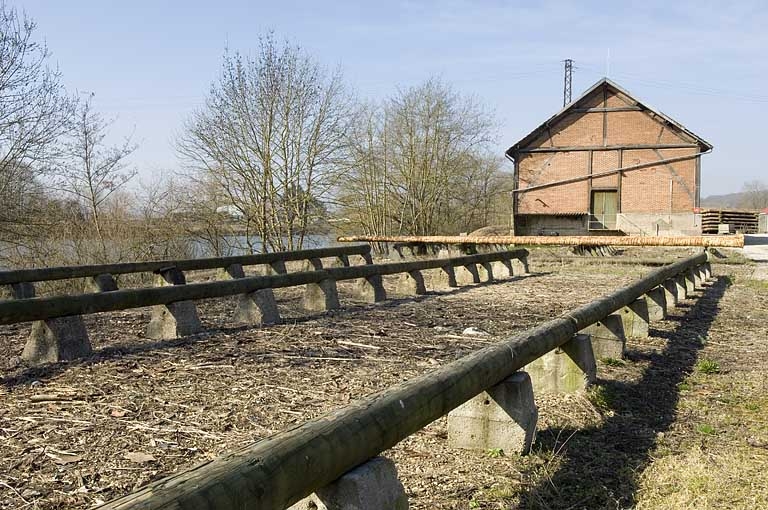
x=76, y=434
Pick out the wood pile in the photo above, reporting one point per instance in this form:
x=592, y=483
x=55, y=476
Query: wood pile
x=740, y=221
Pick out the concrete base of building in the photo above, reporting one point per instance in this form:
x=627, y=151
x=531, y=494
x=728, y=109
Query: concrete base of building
x=503, y=417
x=371, y=486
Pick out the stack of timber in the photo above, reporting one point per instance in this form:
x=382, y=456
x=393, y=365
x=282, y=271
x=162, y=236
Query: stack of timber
x=740, y=221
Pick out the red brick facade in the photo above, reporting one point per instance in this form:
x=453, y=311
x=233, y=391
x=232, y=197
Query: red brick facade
x=605, y=130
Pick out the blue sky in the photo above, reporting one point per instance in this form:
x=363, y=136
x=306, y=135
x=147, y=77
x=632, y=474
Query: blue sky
x=150, y=63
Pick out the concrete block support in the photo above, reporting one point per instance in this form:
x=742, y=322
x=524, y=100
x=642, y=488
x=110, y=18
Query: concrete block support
x=313, y=264
x=174, y=319
x=502, y=417
x=53, y=340
x=101, y=283
x=690, y=282
x=502, y=269
x=371, y=289
x=520, y=266
x=411, y=284
x=443, y=278
x=607, y=337
x=485, y=272
x=371, y=486
x=257, y=307
x=707, y=270
x=635, y=318
x=701, y=278
x=657, y=304
x=670, y=293
x=568, y=369
x=321, y=296
x=682, y=287
x=467, y=275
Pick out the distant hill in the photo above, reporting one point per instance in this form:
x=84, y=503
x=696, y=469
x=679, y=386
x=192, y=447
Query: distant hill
x=729, y=201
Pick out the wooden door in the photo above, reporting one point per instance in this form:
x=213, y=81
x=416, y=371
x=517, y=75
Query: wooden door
x=603, y=209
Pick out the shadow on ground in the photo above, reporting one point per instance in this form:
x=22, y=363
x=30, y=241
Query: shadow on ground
x=599, y=467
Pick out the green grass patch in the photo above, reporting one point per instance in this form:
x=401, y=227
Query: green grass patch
x=708, y=366
x=705, y=429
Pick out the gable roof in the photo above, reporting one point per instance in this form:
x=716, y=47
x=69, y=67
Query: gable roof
x=610, y=85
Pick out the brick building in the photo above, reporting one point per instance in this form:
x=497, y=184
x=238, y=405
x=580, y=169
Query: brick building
x=608, y=164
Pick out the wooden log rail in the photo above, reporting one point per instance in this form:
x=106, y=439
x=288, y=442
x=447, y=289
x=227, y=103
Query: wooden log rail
x=41, y=308
x=731, y=241
x=280, y=470
x=67, y=272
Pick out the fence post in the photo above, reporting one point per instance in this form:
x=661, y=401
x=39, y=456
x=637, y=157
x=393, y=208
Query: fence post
x=682, y=287
x=635, y=318
x=174, y=319
x=444, y=278
x=371, y=289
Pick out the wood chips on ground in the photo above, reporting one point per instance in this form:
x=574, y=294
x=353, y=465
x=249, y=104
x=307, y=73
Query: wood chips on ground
x=76, y=434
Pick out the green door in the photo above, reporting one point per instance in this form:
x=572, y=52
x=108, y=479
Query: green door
x=603, y=209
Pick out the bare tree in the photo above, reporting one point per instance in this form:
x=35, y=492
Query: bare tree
x=270, y=136
x=754, y=195
x=34, y=113
x=90, y=170
x=417, y=162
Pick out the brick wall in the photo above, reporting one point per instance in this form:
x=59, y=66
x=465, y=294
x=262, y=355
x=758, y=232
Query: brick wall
x=642, y=191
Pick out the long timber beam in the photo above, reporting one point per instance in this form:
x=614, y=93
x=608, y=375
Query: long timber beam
x=731, y=241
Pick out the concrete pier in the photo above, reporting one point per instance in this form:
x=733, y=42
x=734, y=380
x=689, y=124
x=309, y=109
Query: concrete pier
x=568, y=369
x=607, y=337
x=321, y=296
x=635, y=319
x=257, y=307
x=371, y=486
x=411, y=284
x=174, y=319
x=503, y=417
x=656, y=299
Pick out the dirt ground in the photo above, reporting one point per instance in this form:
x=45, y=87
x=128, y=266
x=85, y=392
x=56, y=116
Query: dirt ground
x=679, y=424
